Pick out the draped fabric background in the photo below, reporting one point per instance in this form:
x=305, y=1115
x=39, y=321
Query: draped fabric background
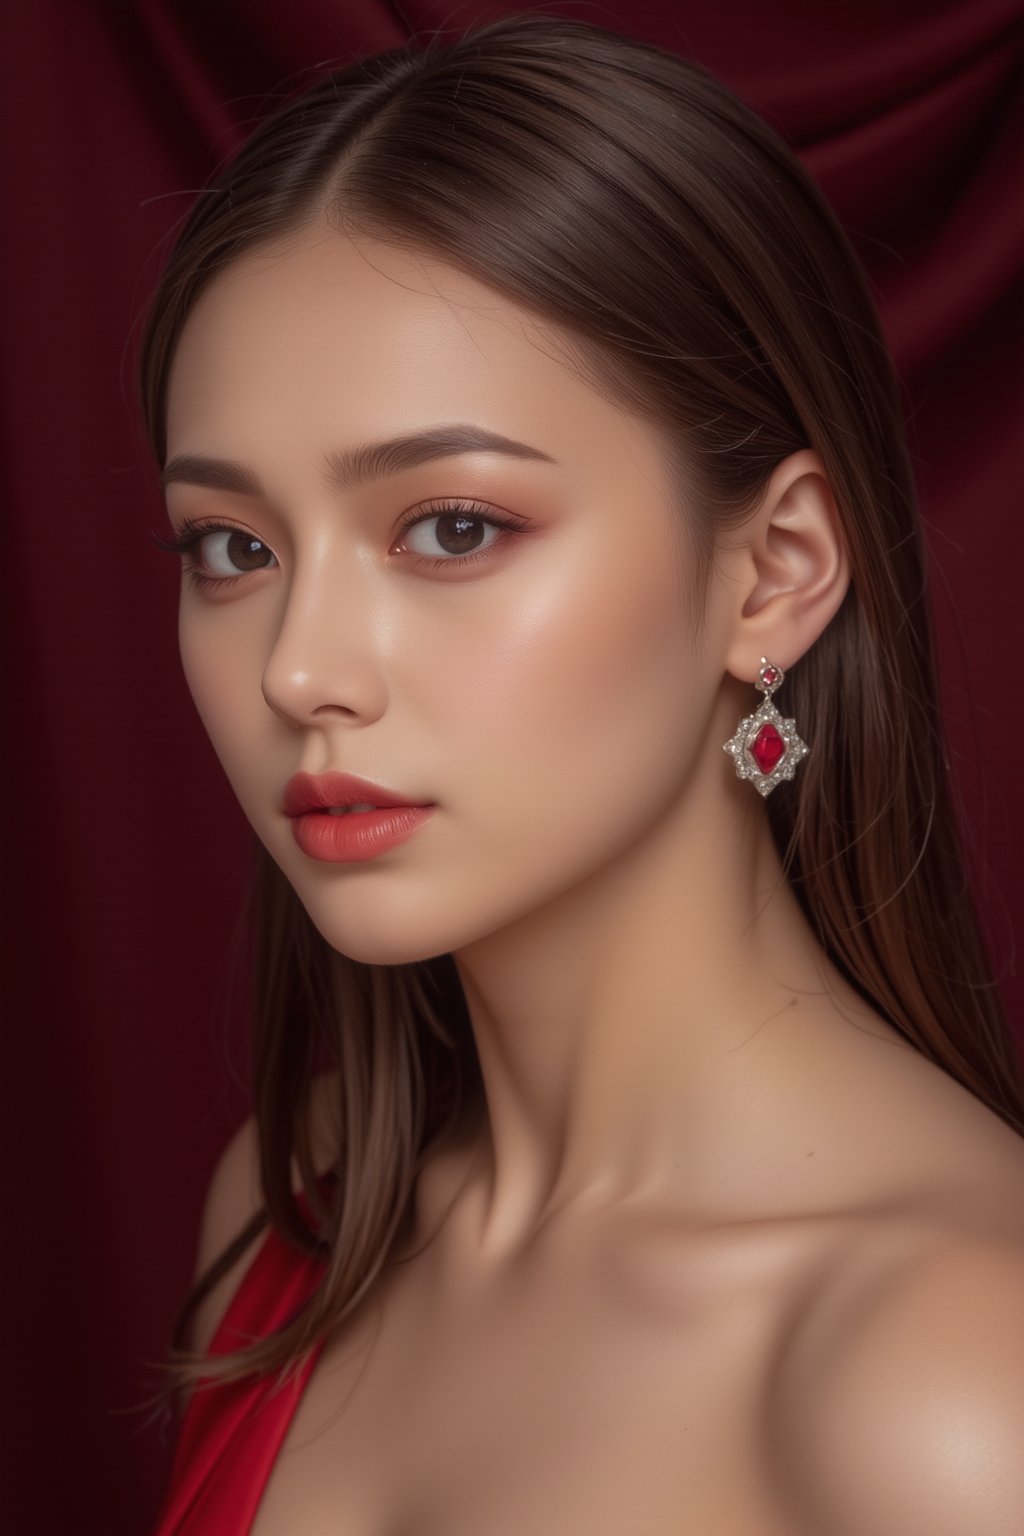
x=124, y=851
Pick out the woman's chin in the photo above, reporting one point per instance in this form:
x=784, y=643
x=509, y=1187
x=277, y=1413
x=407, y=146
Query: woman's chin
x=382, y=949
x=386, y=939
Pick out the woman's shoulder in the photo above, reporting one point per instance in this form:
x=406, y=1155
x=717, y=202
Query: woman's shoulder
x=233, y=1197
x=898, y=1387
x=900, y=1403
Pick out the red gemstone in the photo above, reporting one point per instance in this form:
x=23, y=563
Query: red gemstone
x=769, y=676
x=767, y=748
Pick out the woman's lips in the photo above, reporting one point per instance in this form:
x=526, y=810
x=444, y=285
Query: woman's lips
x=358, y=836
x=325, y=791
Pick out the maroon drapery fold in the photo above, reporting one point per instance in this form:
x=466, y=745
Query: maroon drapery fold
x=124, y=850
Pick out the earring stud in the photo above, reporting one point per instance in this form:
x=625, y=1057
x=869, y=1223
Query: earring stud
x=766, y=747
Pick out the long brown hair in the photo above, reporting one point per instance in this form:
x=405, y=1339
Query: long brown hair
x=623, y=193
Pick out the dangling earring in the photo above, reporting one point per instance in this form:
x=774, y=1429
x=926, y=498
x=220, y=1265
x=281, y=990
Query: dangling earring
x=766, y=748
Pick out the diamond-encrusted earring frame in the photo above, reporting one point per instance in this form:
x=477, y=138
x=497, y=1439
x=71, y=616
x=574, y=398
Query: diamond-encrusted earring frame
x=760, y=735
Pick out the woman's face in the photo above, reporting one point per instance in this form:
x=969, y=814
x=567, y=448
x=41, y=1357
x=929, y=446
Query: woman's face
x=542, y=693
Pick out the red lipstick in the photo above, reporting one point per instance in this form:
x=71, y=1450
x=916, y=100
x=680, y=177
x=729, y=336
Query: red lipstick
x=348, y=835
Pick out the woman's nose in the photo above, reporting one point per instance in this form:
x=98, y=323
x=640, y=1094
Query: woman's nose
x=326, y=656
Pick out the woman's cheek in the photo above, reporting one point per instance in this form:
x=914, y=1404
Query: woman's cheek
x=224, y=683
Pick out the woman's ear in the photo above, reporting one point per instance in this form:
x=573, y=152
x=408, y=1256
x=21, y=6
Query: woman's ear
x=788, y=568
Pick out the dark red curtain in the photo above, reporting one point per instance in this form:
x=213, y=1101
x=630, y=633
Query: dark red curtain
x=124, y=851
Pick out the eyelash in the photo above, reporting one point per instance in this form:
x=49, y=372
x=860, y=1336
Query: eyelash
x=193, y=531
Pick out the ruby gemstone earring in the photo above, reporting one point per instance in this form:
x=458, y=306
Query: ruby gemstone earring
x=766, y=747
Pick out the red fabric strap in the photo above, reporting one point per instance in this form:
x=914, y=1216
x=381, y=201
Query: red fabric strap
x=232, y=1432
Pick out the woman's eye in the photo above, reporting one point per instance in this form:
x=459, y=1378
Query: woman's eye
x=232, y=552
x=455, y=534
x=213, y=554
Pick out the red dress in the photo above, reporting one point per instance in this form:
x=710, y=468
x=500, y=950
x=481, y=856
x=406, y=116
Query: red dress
x=231, y=1433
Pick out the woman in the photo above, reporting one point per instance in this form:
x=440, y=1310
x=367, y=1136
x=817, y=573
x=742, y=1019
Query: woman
x=634, y=1115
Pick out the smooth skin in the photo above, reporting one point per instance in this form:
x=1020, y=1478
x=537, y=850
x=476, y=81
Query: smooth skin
x=730, y=1257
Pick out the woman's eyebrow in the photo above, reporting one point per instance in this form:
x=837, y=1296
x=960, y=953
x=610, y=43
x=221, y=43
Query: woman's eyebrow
x=349, y=467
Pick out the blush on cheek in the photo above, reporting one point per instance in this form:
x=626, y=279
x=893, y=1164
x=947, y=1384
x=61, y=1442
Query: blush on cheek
x=218, y=697
x=204, y=684
x=589, y=654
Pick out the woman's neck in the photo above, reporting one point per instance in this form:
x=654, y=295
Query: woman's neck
x=641, y=1033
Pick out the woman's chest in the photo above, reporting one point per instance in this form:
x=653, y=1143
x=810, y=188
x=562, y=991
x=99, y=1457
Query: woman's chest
x=598, y=1402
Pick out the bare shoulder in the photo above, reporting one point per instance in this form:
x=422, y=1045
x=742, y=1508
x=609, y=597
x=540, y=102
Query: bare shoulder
x=232, y=1199
x=903, y=1414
